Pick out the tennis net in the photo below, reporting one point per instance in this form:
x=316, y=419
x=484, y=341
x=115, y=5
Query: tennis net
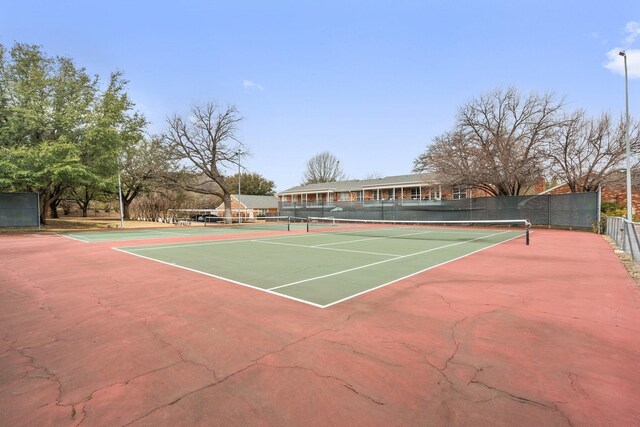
x=441, y=230
x=264, y=222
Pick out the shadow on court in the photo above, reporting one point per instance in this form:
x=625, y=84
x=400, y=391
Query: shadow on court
x=541, y=335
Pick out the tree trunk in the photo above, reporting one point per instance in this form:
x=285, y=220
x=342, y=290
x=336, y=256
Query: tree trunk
x=44, y=206
x=127, y=198
x=227, y=206
x=125, y=208
x=53, y=207
x=54, y=200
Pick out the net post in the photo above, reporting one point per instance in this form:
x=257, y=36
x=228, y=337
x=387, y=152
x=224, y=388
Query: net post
x=308, y=224
x=288, y=223
x=527, y=226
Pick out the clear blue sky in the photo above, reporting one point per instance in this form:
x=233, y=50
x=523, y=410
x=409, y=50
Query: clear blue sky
x=372, y=82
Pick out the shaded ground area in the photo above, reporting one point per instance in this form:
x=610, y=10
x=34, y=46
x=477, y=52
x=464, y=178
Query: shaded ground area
x=92, y=336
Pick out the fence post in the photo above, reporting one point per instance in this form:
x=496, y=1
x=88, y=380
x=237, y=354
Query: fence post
x=549, y=211
x=37, y=195
x=599, y=208
x=624, y=235
x=636, y=239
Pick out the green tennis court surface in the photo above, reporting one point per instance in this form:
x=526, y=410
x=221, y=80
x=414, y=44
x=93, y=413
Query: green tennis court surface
x=322, y=269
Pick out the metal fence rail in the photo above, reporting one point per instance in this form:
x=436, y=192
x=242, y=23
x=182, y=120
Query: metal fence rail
x=625, y=234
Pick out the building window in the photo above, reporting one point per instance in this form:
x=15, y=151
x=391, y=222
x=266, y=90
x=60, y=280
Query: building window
x=435, y=193
x=459, y=193
x=344, y=196
x=359, y=196
x=415, y=193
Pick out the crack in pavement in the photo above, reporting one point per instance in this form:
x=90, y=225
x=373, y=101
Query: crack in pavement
x=573, y=379
x=49, y=376
x=424, y=357
x=353, y=350
x=474, y=380
x=520, y=399
x=174, y=348
x=560, y=315
x=251, y=364
x=344, y=383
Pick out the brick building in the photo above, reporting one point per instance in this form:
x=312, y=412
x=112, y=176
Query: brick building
x=405, y=189
x=250, y=206
x=613, y=190
x=415, y=189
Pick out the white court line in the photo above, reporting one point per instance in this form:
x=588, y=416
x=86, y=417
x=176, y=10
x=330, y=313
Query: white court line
x=371, y=238
x=178, y=245
x=208, y=243
x=322, y=248
x=168, y=232
x=131, y=233
x=70, y=236
x=269, y=291
x=417, y=272
x=221, y=278
x=384, y=261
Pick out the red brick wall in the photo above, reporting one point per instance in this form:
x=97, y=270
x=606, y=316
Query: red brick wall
x=618, y=196
x=614, y=192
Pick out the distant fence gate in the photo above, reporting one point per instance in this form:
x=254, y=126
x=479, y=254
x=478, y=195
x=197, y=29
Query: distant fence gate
x=19, y=210
x=574, y=210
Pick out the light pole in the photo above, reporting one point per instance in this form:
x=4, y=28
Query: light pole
x=239, y=153
x=626, y=137
x=120, y=197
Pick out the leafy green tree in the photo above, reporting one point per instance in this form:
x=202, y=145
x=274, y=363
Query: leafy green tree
x=144, y=165
x=26, y=92
x=51, y=109
x=252, y=183
x=112, y=128
x=31, y=129
x=39, y=170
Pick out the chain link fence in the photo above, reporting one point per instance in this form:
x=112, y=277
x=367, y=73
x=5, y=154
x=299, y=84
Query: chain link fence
x=625, y=234
x=575, y=210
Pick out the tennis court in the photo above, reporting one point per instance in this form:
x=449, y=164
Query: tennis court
x=327, y=267
x=545, y=334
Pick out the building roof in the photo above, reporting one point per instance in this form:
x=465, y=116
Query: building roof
x=365, y=184
x=257, y=202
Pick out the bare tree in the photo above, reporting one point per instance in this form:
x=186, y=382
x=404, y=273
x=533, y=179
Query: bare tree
x=587, y=151
x=206, y=145
x=498, y=144
x=323, y=167
x=155, y=206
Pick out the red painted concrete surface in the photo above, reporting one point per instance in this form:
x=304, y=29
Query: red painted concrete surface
x=542, y=335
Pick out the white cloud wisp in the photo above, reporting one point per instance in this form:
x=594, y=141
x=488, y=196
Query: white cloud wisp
x=615, y=62
x=248, y=84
